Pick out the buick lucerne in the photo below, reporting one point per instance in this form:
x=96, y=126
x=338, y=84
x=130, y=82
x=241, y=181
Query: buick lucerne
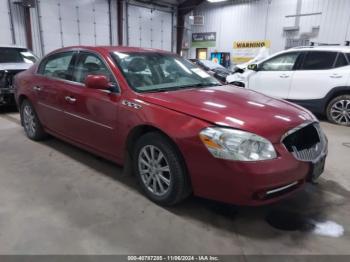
x=182, y=130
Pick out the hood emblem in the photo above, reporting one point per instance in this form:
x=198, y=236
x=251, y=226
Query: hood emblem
x=131, y=104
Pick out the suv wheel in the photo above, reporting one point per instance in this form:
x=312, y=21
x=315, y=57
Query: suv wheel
x=160, y=170
x=31, y=123
x=338, y=110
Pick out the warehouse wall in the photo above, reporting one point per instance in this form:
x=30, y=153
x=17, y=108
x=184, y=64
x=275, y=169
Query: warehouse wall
x=149, y=28
x=59, y=23
x=5, y=22
x=266, y=19
x=75, y=22
x=11, y=24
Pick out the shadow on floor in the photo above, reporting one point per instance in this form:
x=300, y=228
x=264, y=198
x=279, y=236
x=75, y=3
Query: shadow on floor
x=293, y=214
x=8, y=109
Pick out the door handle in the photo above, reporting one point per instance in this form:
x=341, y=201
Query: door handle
x=336, y=76
x=70, y=99
x=37, y=88
x=284, y=76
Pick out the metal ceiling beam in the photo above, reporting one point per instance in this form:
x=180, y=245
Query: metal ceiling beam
x=183, y=9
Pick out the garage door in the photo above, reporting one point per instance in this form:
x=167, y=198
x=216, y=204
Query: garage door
x=149, y=28
x=5, y=28
x=74, y=22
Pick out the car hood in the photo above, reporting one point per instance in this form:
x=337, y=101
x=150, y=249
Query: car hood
x=14, y=66
x=234, y=107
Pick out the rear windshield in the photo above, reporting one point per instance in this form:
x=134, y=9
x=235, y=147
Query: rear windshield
x=16, y=55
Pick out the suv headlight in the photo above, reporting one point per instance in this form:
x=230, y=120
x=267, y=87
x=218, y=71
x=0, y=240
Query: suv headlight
x=238, y=145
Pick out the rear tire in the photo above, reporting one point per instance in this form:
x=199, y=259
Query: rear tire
x=31, y=123
x=338, y=110
x=160, y=170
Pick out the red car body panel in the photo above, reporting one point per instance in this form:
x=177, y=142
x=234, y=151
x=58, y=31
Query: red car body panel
x=101, y=123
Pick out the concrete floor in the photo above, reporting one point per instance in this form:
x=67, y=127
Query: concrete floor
x=57, y=199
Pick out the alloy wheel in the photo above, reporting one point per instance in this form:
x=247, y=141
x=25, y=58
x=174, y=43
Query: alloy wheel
x=29, y=120
x=340, y=112
x=154, y=170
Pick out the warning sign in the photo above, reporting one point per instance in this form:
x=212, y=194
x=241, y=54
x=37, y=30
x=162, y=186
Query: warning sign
x=251, y=44
x=244, y=51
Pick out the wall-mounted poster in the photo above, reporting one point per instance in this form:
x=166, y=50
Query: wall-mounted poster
x=222, y=58
x=244, y=51
x=204, y=39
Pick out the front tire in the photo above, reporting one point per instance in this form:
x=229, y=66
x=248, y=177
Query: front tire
x=31, y=124
x=160, y=170
x=338, y=110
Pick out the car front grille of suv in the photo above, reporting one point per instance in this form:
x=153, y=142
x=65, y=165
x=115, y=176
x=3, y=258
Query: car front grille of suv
x=306, y=142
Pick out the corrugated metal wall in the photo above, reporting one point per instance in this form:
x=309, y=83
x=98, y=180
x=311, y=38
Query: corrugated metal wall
x=149, y=28
x=74, y=22
x=15, y=33
x=265, y=19
x=59, y=23
x=5, y=22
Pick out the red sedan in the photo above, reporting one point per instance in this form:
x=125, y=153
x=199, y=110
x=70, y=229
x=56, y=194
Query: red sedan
x=183, y=131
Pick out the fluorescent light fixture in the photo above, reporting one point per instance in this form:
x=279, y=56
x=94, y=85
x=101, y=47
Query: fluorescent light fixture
x=216, y=1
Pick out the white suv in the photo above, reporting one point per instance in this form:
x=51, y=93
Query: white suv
x=317, y=78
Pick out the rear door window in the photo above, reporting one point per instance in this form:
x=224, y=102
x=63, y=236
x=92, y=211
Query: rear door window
x=319, y=60
x=58, y=66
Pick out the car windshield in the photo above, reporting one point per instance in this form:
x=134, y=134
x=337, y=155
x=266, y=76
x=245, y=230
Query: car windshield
x=157, y=72
x=16, y=55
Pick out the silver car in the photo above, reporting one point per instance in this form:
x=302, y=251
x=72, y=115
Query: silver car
x=13, y=59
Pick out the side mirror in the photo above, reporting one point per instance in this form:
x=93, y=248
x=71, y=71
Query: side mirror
x=253, y=67
x=97, y=82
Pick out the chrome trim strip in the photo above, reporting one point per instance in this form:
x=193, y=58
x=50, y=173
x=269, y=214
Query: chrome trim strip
x=281, y=188
x=88, y=120
x=51, y=107
x=74, y=115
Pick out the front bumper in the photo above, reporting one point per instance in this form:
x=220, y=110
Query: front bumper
x=7, y=96
x=246, y=183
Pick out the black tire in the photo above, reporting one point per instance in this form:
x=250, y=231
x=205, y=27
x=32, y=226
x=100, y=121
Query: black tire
x=179, y=185
x=338, y=110
x=31, y=123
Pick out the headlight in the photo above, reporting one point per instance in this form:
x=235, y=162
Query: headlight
x=234, y=144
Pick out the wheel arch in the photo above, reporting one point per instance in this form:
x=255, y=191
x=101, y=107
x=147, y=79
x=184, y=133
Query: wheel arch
x=337, y=91
x=141, y=130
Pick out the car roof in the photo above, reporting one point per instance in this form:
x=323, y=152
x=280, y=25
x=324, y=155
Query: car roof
x=338, y=48
x=13, y=46
x=104, y=49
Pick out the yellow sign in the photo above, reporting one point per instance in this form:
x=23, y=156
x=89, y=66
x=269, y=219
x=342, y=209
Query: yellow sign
x=251, y=44
x=241, y=59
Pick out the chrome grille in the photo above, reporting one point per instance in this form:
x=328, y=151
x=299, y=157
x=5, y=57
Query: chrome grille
x=306, y=142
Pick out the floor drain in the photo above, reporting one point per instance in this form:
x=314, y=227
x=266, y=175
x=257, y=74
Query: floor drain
x=288, y=221
x=346, y=144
